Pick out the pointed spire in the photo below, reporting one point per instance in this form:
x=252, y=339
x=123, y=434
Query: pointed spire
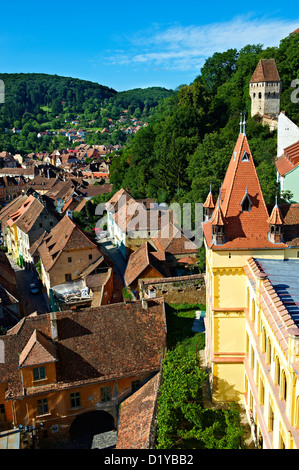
x=244, y=124
x=209, y=205
x=240, y=123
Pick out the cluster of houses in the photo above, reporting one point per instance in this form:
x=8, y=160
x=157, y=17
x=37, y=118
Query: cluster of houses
x=88, y=316
x=78, y=136
x=103, y=340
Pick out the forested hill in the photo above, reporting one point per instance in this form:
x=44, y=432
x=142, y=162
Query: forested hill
x=29, y=92
x=34, y=95
x=191, y=136
x=37, y=103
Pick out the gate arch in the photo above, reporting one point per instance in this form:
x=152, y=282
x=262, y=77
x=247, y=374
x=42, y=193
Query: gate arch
x=91, y=423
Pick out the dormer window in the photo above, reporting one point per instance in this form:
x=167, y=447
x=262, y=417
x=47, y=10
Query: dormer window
x=245, y=157
x=246, y=203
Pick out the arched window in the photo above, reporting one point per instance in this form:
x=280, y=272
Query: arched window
x=262, y=393
x=268, y=351
x=264, y=340
x=283, y=386
x=270, y=418
x=252, y=358
x=277, y=371
x=253, y=310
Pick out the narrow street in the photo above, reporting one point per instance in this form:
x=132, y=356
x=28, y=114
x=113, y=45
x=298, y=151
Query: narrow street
x=30, y=302
x=119, y=268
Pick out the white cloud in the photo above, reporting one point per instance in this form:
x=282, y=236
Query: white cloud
x=187, y=47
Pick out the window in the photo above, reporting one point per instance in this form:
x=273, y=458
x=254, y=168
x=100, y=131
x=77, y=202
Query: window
x=277, y=371
x=271, y=419
x=42, y=407
x=2, y=413
x=284, y=386
x=75, y=400
x=69, y=260
x=268, y=351
x=68, y=277
x=40, y=225
x=90, y=256
x=105, y=394
x=135, y=385
x=39, y=373
x=246, y=204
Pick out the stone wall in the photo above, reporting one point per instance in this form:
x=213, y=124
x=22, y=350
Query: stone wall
x=190, y=289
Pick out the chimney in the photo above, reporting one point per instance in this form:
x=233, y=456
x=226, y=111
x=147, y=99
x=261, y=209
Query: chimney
x=144, y=304
x=54, y=329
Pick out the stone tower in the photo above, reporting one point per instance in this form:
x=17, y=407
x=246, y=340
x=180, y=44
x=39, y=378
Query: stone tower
x=265, y=89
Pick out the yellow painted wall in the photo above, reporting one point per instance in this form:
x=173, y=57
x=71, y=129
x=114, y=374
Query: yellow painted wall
x=231, y=289
x=229, y=334
x=228, y=382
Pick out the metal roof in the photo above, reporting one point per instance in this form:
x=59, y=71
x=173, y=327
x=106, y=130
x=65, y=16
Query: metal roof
x=284, y=277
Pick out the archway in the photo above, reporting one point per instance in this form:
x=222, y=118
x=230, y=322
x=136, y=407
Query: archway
x=91, y=423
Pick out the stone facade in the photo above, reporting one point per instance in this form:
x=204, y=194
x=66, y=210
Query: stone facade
x=265, y=98
x=190, y=289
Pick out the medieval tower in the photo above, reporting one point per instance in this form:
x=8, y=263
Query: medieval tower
x=265, y=90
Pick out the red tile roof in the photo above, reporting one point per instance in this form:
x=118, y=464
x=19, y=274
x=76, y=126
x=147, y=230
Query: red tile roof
x=243, y=229
x=94, y=345
x=266, y=71
x=289, y=160
x=38, y=350
x=64, y=234
x=137, y=417
x=172, y=240
x=210, y=201
x=141, y=259
x=276, y=217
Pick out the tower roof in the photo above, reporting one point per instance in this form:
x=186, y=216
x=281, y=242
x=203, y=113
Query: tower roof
x=276, y=216
x=266, y=71
x=244, y=229
x=210, y=201
x=217, y=217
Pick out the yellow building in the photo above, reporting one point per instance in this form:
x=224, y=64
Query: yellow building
x=252, y=334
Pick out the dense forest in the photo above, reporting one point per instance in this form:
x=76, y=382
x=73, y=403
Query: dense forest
x=191, y=136
x=38, y=102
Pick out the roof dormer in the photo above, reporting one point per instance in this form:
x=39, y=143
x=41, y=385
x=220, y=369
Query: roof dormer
x=246, y=202
x=276, y=223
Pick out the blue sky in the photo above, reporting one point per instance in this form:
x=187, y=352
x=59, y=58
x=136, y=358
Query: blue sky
x=127, y=45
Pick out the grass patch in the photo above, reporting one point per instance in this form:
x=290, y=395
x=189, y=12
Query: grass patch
x=180, y=318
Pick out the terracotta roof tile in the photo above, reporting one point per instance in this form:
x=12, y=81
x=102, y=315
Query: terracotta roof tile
x=94, y=344
x=64, y=234
x=137, y=415
x=266, y=71
x=38, y=350
x=141, y=259
x=243, y=229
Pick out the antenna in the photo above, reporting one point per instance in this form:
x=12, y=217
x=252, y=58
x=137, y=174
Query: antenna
x=240, y=123
x=244, y=125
